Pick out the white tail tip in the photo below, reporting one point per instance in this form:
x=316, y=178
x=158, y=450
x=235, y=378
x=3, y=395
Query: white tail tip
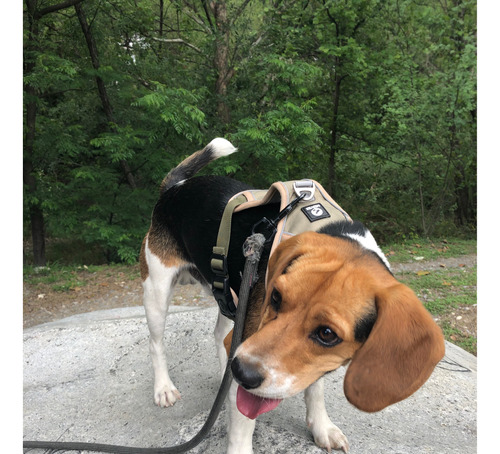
x=221, y=147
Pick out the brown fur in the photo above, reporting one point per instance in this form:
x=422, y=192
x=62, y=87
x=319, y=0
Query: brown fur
x=332, y=282
x=399, y=355
x=164, y=247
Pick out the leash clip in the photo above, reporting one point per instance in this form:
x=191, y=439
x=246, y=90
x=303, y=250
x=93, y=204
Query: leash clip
x=270, y=226
x=265, y=227
x=304, y=188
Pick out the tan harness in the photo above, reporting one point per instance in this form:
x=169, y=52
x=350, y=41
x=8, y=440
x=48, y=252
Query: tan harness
x=313, y=211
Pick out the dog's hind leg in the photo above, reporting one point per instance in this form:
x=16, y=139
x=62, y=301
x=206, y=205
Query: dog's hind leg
x=158, y=283
x=326, y=434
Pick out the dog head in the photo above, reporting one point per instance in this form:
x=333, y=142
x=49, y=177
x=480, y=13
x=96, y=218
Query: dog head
x=330, y=302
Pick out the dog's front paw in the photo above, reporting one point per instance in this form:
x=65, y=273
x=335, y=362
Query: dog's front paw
x=327, y=435
x=166, y=395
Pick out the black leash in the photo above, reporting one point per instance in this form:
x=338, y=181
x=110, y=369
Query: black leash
x=252, y=250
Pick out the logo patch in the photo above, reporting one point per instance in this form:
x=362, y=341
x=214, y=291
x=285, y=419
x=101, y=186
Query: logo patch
x=315, y=212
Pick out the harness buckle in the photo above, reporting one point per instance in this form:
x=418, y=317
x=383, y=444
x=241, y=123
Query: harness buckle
x=220, y=285
x=222, y=294
x=304, y=188
x=218, y=263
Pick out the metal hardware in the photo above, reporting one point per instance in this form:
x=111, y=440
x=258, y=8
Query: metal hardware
x=304, y=188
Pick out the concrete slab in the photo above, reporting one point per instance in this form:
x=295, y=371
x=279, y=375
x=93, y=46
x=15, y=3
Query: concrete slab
x=88, y=378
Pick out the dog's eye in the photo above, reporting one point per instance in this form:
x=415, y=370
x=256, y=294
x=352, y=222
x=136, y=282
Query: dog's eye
x=275, y=300
x=326, y=336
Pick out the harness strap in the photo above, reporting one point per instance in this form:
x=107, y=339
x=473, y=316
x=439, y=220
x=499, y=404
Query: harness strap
x=218, y=262
x=224, y=235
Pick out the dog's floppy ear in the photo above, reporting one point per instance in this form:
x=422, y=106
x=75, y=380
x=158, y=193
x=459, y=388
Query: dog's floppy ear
x=399, y=355
x=284, y=254
x=288, y=251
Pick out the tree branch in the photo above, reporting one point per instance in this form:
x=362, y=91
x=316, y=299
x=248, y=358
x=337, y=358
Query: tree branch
x=199, y=21
x=177, y=41
x=332, y=19
x=239, y=11
x=50, y=9
x=103, y=94
x=207, y=14
x=359, y=24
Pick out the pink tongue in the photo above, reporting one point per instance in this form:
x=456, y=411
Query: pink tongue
x=251, y=405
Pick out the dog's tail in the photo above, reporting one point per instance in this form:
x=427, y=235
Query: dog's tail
x=217, y=148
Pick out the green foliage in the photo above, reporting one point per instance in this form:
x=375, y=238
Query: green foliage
x=403, y=136
x=281, y=141
x=177, y=108
x=64, y=278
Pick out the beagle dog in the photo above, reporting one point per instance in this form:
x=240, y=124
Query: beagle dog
x=323, y=300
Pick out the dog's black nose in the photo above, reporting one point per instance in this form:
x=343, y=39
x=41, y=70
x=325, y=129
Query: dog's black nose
x=246, y=375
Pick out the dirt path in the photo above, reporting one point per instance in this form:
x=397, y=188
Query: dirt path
x=451, y=262
x=109, y=289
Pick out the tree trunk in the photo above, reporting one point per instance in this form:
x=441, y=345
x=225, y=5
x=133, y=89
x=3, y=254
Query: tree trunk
x=330, y=185
x=37, y=220
x=36, y=216
x=465, y=212
x=421, y=192
x=160, y=31
x=103, y=94
x=221, y=59
x=34, y=203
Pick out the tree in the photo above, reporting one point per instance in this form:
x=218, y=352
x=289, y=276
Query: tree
x=428, y=104
x=103, y=94
x=32, y=49
x=376, y=100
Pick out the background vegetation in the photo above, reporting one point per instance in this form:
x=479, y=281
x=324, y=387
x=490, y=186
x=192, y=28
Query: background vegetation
x=376, y=99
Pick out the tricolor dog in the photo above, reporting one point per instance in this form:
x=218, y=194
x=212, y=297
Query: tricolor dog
x=324, y=299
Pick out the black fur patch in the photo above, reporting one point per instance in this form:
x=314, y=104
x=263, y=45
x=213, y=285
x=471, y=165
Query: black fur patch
x=275, y=300
x=188, y=169
x=344, y=228
x=364, y=326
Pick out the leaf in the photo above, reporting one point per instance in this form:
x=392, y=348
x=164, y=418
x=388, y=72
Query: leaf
x=423, y=273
